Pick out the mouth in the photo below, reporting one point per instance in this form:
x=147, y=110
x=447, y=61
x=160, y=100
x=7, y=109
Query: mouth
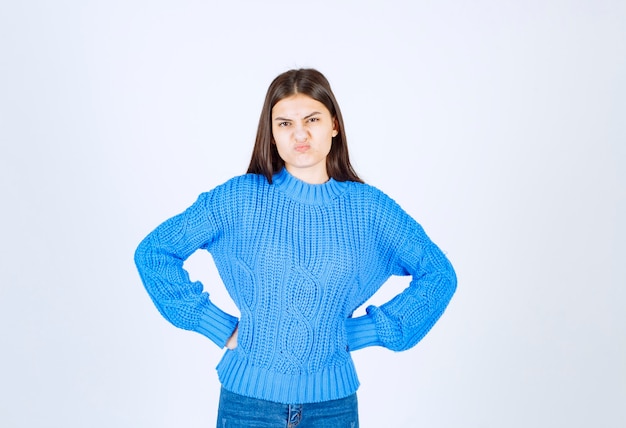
x=302, y=148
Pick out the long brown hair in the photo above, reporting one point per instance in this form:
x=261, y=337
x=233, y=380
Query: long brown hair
x=265, y=159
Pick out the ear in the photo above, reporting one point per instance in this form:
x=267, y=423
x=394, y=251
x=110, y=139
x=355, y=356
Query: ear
x=335, y=128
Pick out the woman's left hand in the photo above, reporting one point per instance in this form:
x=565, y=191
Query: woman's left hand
x=231, y=343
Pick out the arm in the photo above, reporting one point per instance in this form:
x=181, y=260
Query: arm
x=403, y=321
x=159, y=259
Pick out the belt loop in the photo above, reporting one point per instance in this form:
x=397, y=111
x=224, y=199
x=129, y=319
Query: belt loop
x=295, y=415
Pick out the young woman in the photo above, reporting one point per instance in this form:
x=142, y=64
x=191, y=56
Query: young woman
x=300, y=242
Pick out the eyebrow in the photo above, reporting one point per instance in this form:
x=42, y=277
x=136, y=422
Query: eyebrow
x=305, y=117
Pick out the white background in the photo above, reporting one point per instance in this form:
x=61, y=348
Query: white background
x=499, y=125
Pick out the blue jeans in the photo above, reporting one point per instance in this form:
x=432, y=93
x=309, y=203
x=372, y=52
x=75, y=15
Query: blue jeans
x=237, y=411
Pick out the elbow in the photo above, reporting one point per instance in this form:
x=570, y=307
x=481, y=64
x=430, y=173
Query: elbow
x=145, y=266
x=447, y=283
x=141, y=255
x=138, y=256
x=451, y=282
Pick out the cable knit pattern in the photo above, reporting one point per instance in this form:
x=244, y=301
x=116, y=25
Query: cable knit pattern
x=297, y=260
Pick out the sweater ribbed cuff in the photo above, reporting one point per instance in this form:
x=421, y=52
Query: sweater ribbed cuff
x=217, y=325
x=362, y=332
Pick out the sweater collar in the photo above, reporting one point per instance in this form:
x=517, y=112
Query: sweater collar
x=301, y=191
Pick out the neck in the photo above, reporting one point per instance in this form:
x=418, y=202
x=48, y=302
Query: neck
x=309, y=175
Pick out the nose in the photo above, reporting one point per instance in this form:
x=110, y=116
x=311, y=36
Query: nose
x=300, y=133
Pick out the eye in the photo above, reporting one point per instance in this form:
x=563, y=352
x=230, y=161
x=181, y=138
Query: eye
x=283, y=124
x=314, y=119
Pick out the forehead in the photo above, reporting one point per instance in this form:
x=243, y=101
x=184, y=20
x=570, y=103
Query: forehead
x=298, y=106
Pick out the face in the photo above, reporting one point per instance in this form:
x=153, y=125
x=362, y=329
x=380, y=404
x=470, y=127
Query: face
x=303, y=130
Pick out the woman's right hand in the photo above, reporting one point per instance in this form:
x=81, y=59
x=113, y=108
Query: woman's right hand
x=231, y=343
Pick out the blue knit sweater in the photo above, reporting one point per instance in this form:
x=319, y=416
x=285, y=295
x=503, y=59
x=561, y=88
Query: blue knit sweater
x=297, y=260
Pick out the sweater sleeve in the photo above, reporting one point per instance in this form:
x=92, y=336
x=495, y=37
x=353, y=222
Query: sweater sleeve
x=159, y=259
x=403, y=321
